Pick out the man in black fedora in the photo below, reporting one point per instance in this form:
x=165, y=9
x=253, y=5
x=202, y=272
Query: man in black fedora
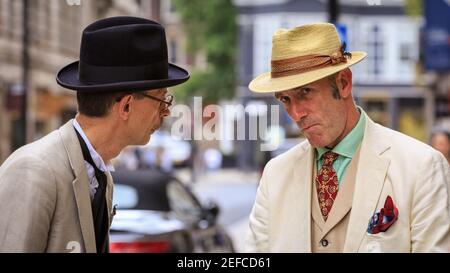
x=56, y=193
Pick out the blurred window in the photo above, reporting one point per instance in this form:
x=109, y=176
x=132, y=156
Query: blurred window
x=392, y=48
x=173, y=51
x=265, y=25
x=168, y=12
x=264, y=29
x=408, y=52
x=14, y=19
x=39, y=12
x=2, y=18
x=69, y=28
x=125, y=197
x=405, y=52
x=375, y=48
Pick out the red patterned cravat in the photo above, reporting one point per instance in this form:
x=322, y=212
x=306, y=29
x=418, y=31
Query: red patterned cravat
x=327, y=184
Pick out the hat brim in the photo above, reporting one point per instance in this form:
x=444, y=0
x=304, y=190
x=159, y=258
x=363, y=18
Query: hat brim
x=264, y=83
x=68, y=78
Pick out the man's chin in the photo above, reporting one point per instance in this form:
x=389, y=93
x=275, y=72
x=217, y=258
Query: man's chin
x=152, y=131
x=145, y=140
x=316, y=143
x=156, y=128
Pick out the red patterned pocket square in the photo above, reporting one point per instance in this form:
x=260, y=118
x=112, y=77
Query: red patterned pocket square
x=383, y=220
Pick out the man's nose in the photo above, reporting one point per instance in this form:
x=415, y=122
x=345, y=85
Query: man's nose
x=296, y=111
x=165, y=112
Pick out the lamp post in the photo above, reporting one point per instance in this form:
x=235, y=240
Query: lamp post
x=25, y=72
x=333, y=11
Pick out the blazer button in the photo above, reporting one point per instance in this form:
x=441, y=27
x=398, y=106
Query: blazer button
x=324, y=242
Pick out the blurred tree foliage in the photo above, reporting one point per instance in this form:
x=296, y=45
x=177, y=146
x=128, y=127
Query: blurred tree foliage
x=211, y=28
x=414, y=7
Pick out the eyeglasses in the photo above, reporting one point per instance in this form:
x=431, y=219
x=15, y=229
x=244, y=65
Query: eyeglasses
x=167, y=100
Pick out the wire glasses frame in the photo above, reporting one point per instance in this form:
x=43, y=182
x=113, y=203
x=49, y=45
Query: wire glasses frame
x=168, y=100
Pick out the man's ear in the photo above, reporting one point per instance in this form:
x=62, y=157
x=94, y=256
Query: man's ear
x=123, y=107
x=344, y=83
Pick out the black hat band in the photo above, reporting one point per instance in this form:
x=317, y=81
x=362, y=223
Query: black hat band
x=92, y=74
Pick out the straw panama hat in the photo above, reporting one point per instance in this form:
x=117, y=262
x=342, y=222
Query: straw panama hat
x=303, y=55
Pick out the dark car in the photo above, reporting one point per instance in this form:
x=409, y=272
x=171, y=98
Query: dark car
x=157, y=213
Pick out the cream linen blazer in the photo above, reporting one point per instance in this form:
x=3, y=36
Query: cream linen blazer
x=415, y=175
x=44, y=197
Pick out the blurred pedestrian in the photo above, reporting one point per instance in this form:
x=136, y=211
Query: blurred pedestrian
x=440, y=140
x=353, y=185
x=56, y=193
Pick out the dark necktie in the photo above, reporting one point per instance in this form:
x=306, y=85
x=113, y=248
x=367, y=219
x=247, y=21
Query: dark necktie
x=327, y=184
x=99, y=207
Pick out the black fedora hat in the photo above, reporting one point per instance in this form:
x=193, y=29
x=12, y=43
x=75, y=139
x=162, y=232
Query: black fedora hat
x=122, y=54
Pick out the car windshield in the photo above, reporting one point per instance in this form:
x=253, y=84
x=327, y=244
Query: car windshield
x=183, y=203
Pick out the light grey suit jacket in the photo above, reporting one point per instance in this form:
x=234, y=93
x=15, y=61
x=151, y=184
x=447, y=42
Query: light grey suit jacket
x=416, y=176
x=44, y=197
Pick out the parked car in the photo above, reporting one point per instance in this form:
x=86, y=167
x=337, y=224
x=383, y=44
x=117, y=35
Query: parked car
x=157, y=213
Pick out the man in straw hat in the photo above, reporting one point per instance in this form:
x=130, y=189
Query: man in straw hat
x=353, y=185
x=56, y=193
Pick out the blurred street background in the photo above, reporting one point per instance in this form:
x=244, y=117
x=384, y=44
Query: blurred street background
x=404, y=83
x=234, y=191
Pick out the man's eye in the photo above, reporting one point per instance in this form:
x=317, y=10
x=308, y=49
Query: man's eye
x=284, y=99
x=305, y=91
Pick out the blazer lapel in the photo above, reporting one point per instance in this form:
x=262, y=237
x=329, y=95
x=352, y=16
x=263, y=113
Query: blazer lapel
x=303, y=188
x=370, y=178
x=80, y=184
x=315, y=209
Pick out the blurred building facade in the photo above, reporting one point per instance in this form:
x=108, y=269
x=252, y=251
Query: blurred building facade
x=387, y=84
x=54, y=32
x=55, y=28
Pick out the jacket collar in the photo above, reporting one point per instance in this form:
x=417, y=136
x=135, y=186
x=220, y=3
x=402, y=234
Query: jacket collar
x=80, y=184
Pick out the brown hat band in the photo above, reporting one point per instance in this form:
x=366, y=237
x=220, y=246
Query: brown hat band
x=301, y=64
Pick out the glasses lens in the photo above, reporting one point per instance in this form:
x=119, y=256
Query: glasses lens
x=166, y=103
x=169, y=99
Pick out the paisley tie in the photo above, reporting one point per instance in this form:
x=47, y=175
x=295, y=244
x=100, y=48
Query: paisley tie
x=327, y=184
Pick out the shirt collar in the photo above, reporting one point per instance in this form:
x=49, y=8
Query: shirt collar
x=99, y=163
x=348, y=146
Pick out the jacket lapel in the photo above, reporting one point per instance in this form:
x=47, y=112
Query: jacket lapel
x=80, y=184
x=372, y=169
x=315, y=209
x=303, y=190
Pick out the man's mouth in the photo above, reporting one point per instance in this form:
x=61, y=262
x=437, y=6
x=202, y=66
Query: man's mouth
x=157, y=127
x=308, y=127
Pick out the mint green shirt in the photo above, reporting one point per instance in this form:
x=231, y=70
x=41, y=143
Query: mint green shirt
x=345, y=149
